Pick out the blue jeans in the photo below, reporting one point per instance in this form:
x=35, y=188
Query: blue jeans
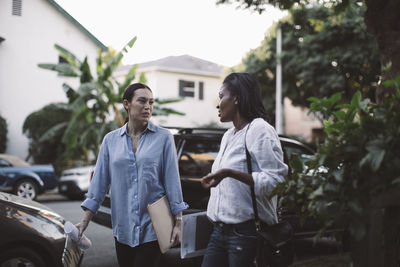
x=231, y=245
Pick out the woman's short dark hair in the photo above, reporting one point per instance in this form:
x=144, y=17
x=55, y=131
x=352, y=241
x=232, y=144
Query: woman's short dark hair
x=130, y=91
x=246, y=88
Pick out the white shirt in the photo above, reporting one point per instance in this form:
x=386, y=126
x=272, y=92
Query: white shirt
x=230, y=201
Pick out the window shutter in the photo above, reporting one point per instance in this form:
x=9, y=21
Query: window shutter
x=17, y=7
x=201, y=90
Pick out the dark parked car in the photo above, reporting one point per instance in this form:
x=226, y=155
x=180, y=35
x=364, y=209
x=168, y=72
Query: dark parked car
x=31, y=234
x=20, y=178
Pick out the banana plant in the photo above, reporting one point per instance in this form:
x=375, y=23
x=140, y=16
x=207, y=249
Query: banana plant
x=96, y=102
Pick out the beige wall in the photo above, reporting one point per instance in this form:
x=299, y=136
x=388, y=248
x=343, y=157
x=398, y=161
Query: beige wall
x=297, y=122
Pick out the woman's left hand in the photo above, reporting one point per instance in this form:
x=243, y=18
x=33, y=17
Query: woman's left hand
x=176, y=233
x=213, y=179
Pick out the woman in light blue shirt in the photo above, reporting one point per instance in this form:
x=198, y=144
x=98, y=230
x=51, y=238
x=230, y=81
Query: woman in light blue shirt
x=138, y=164
x=233, y=241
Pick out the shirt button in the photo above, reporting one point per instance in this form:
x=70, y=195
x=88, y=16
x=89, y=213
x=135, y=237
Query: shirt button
x=136, y=212
x=135, y=196
x=135, y=180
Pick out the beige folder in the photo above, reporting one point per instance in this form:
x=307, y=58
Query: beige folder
x=163, y=222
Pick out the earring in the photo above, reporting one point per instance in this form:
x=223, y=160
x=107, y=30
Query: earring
x=236, y=102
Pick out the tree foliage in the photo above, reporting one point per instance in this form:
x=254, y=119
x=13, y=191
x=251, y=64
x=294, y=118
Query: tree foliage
x=3, y=134
x=95, y=106
x=381, y=17
x=37, y=123
x=357, y=165
x=321, y=55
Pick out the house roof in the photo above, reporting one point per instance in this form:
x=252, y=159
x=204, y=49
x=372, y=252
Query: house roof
x=77, y=24
x=181, y=64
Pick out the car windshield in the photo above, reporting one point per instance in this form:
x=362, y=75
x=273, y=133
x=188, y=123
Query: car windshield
x=13, y=161
x=197, y=157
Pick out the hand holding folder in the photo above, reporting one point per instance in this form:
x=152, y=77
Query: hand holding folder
x=163, y=222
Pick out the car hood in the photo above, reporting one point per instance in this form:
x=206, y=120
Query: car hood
x=78, y=170
x=24, y=202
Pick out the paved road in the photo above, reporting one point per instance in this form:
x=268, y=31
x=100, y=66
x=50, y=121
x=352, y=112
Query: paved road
x=102, y=253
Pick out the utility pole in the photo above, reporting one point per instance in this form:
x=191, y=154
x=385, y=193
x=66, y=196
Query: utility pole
x=278, y=94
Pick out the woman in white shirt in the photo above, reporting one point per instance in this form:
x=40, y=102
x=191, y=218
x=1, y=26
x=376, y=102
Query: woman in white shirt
x=233, y=241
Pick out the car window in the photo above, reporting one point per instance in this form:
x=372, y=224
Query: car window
x=4, y=163
x=292, y=150
x=197, y=157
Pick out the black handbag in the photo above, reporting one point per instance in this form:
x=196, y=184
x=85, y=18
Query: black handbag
x=275, y=246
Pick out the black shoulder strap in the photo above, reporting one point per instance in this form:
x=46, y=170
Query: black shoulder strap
x=250, y=170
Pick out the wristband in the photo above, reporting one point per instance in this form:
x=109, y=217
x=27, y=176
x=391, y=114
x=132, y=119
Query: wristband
x=178, y=218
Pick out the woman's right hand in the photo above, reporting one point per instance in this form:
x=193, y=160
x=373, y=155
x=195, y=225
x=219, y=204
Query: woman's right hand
x=84, y=222
x=82, y=227
x=213, y=179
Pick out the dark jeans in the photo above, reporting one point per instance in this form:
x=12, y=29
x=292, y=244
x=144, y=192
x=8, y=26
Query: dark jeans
x=144, y=255
x=231, y=245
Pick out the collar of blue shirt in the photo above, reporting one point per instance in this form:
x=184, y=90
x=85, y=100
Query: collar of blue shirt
x=150, y=127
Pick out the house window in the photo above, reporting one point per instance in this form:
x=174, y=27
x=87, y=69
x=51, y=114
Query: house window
x=191, y=89
x=17, y=7
x=62, y=60
x=186, y=88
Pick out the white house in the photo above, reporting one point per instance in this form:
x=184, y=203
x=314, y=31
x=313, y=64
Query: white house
x=195, y=80
x=28, y=31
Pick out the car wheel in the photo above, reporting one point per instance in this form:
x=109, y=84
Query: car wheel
x=21, y=257
x=27, y=189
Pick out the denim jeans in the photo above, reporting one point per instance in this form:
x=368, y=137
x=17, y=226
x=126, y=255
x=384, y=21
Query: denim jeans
x=231, y=245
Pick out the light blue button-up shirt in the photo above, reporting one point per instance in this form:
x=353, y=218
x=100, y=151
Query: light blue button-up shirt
x=135, y=180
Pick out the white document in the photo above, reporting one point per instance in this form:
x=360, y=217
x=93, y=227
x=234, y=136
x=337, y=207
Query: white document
x=71, y=231
x=163, y=222
x=196, y=232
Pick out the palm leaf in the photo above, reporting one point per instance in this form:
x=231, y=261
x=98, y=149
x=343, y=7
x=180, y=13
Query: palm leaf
x=86, y=75
x=158, y=111
x=114, y=63
x=70, y=92
x=68, y=56
x=128, y=79
x=53, y=131
x=77, y=122
x=167, y=100
x=64, y=69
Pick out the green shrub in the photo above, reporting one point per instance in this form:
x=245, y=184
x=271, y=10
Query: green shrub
x=356, y=165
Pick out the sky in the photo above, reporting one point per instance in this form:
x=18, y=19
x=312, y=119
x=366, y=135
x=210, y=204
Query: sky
x=222, y=34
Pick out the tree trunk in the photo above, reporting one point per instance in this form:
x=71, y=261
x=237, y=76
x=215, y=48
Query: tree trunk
x=391, y=227
x=368, y=252
x=381, y=244
x=383, y=21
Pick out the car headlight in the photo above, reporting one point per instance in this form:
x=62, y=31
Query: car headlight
x=53, y=218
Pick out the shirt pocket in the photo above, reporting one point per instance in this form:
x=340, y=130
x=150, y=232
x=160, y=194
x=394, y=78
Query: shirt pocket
x=150, y=172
